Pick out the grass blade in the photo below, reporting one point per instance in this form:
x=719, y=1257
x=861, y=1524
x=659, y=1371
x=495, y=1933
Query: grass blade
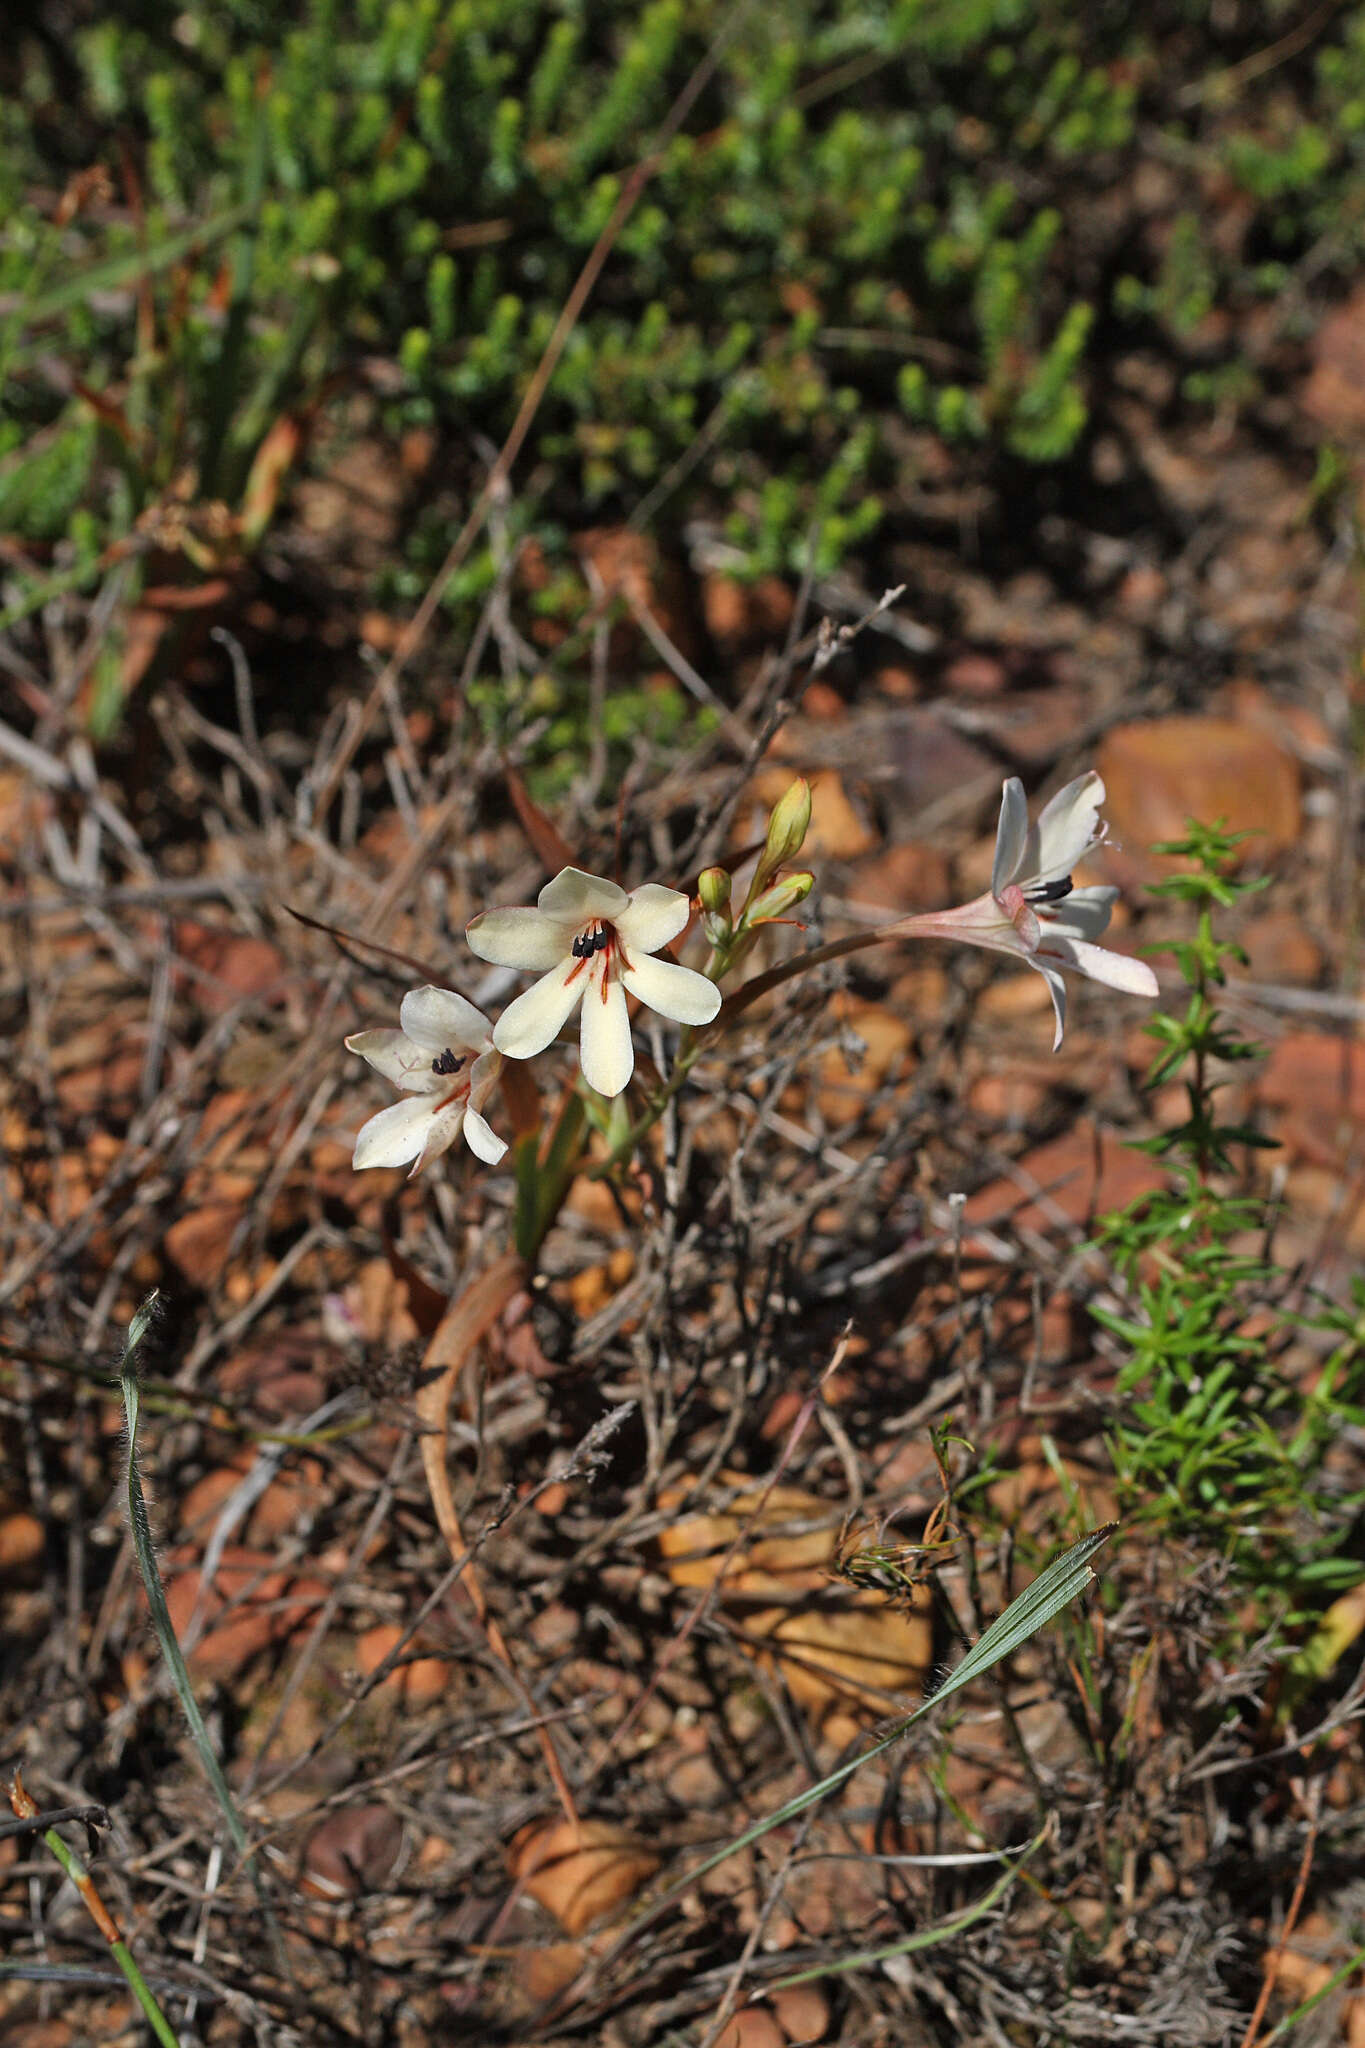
x=118, y=1948
x=926, y=1937
x=150, y=1570
x=130, y=264
x=1035, y=1607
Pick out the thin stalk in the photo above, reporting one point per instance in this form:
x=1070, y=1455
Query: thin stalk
x=24, y=1807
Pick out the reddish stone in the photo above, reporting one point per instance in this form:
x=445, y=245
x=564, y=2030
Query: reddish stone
x=1160, y=774
x=1071, y=1190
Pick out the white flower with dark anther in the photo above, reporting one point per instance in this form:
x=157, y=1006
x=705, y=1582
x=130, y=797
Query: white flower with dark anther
x=444, y=1060
x=1032, y=908
x=593, y=944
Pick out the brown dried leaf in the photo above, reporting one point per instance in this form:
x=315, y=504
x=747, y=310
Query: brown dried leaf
x=581, y=1874
x=844, y=1646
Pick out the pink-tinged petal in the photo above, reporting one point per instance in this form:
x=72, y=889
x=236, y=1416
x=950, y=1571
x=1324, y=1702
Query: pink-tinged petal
x=482, y=1140
x=1083, y=914
x=672, y=991
x=442, y=1132
x=516, y=938
x=527, y=1026
x=605, y=1052
x=1022, y=916
x=981, y=922
x=1116, y=970
x=395, y=1136
x=653, y=916
x=393, y=1054
x=1011, y=835
x=574, y=898
x=1066, y=829
x=438, y=1019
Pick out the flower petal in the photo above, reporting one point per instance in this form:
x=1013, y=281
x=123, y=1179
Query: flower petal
x=653, y=916
x=575, y=898
x=395, y=1136
x=483, y=1077
x=982, y=922
x=605, y=1052
x=527, y=1025
x=442, y=1132
x=516, y=938
x=1116, y=970
x=1056, y=988
x=482, y=1140
x=1011, y=835
x=393, y=1054
x=1081, y=915
x=1066, y=828
x=437, y=1018
x=673, y=991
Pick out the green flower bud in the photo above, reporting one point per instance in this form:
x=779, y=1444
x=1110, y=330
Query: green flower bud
x=787, y=827
x=780, y=897
x=713, y=887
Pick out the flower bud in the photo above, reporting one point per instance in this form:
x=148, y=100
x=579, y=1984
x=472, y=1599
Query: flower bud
x=787, y=827
x=780, y=897
x=713, y=887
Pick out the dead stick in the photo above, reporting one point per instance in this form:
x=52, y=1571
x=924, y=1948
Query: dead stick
x=1291, y=1918
x=461, y=1329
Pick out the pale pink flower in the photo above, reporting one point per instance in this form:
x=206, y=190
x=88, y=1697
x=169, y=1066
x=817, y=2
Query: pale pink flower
x=593, y=944
x=444, y=1060
x=1032, y=909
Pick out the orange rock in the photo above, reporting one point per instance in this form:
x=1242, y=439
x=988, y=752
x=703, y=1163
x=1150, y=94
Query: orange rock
x=833, y=1654
x=197, y=1245
x=975, y=674
x=224, y=968
x=1279, y=949
x=283, y=1375
x=1008, y=1098
x=24, y=804
x=379, y=631
x=250, y=1608
x=802, y=2012
x=107, y=1089
x=1077, y=1179
x=1334, y=395
x=201, y=1504
x=543, y=1973
x=846, y=1082
x=914, y=875
x=631, y=569
x=1161, y=773
x=823, y=702
x=754, y=2027
x=418, y=1681
x=582, y=1874
x=1308, y=1070
x=21, y=1543
x=896, y=681
x=724, y=607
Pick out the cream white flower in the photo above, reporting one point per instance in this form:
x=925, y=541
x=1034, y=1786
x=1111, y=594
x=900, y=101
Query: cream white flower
x=444, y=1060
x=593, y=944
x=1032, y=908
